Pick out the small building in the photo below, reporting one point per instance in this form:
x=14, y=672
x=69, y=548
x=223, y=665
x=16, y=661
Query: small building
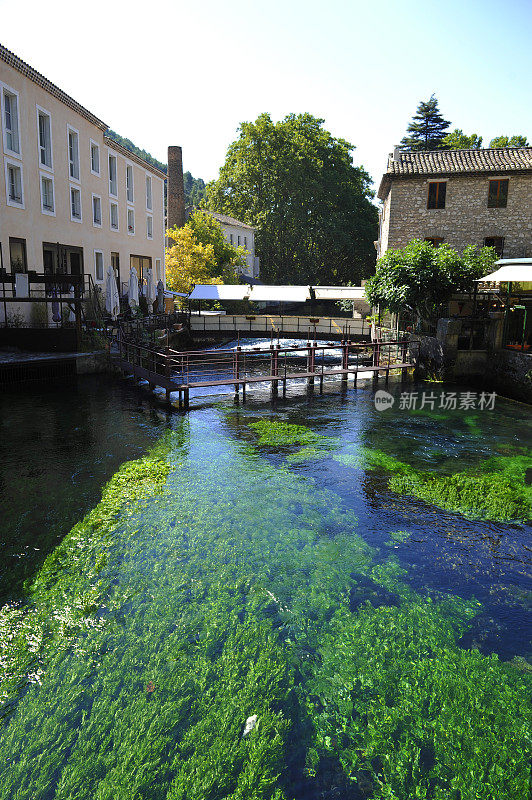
x=241, y=235
x=462, y=197
x=72, y=200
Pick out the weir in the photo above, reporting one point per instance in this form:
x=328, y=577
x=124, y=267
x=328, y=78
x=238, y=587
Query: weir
x=181, y=371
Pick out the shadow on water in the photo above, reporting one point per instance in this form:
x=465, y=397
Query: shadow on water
x=58, y=447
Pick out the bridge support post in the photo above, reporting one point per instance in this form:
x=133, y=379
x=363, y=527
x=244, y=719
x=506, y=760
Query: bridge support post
x=236, y=371
x=186, y=403
x=311, y=359
x=274, y=368
x=404, y=356
x=345, y=361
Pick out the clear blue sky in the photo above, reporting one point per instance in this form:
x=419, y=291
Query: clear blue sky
x=188, y=73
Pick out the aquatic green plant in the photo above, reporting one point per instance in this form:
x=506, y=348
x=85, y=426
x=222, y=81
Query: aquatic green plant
x=398, y=537
x=490, y=496
x=66, y=592
x=274, y=433
x=233, y=590
x=494, y=489
x=398, y=703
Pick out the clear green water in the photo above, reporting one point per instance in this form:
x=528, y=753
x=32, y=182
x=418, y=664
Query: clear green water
x=244, y=570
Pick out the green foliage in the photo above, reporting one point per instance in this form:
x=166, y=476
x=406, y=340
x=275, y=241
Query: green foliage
x=458, y=140
x=210, y=586
x=297, y=185
x=479, y=496
x=419, y=277
x=401, y=706
x=128, y=144
x=427, y=129
x=228, y=258
x=506, y=141
x=195, y=190
x=64, y=595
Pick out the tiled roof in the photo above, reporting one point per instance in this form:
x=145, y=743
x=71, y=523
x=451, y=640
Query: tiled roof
x=455, y=162
x=21, y=66
x=110, y=142
x=230, y=220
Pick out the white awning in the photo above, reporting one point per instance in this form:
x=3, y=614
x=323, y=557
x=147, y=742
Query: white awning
x=215, y=291
x=279, y=294
x=339, y=292
x=517, y=270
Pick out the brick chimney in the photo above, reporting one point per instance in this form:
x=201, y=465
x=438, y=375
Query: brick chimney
x=175, y=188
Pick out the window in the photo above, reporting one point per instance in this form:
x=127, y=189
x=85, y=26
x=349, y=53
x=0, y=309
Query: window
x=130, y=221
x=497, y=242
x=10, y=117
x=45, y=138
x=149, y=196
x=436, y=195
x=158, y=275
x=95, y=158
x=114, y=216
x=238, y=240
x=96, y=211
x=75, y=204
x=98, y=265
x=14, y=186
x=73, y=154
x=231, y=238
x=17, y=255
x=113, y=185
x=149, y=227
x=434, y=240
x=246, y=242
x=129, y=183
x=47, y=195
x=498, y=194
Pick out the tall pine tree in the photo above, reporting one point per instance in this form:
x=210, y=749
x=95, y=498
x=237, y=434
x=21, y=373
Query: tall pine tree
x=427, y=128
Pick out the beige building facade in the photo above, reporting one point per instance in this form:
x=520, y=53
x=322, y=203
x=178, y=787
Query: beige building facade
x=72, y=200
x=462, y=197
x=240, y=235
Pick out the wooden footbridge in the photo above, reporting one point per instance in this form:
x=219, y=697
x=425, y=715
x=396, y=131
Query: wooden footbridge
x=179, y=372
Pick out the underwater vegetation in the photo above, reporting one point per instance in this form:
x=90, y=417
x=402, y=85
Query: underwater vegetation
x=211, y=588
x=61, y=600
x=494, y=489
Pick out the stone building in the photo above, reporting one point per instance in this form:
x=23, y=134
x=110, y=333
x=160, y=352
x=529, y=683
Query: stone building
x=461, y=197
x=241, y=235
x=72, y=200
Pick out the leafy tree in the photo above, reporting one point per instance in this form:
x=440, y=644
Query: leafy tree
x=195, y=189
x=188, y=261
x=200, y=254
x=228, y=258
x=420, y=277
x=128, y=144
x=297, y=185
x=505, y=141
x=427, y=129
x=458, y=140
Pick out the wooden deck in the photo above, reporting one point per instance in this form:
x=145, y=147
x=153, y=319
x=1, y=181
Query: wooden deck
x=179, y=372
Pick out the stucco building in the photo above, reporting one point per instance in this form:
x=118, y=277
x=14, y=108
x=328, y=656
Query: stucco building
x=241, y=235
x=461, y=197
x=72, y=200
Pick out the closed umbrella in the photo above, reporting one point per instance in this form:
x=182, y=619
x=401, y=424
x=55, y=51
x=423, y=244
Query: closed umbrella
x=112, y=300
x=133, y=288
x=151, y=293
x=160, y=297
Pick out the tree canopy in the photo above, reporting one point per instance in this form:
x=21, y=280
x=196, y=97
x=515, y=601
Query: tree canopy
x=420, y=277
x=427, y=129
x=297, y=185
x=458, y=140
x=509, y=141
x=201, y=254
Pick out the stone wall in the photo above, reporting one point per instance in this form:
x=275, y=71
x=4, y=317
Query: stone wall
x=510, y=373
x=466, y=219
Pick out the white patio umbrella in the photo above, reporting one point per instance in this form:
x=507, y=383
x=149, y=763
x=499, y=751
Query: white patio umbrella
x=151, y=292
x=112, y=300
x=133, y=288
